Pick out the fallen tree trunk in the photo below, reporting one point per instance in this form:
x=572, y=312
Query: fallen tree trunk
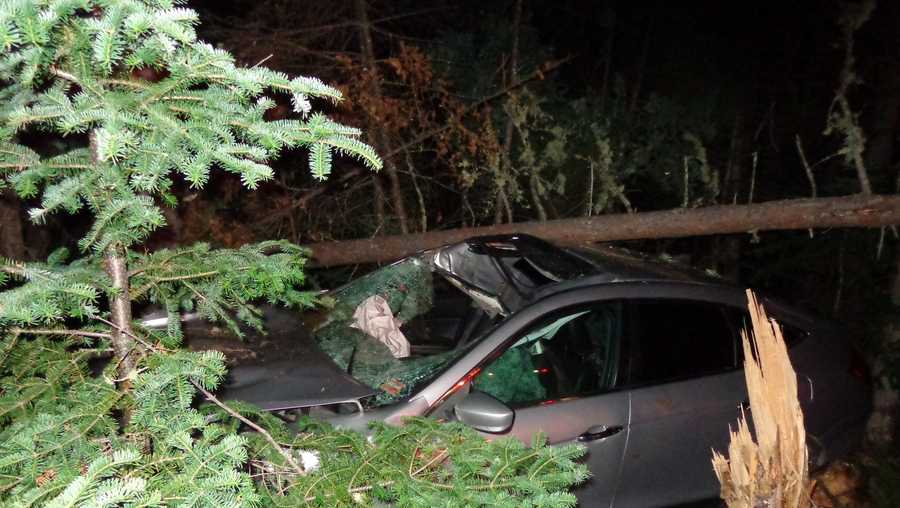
x=847, y=211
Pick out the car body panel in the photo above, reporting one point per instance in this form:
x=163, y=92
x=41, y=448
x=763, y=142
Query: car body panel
x=291, y=384
x=284, y=369
x=564, y=421
x=674, y=428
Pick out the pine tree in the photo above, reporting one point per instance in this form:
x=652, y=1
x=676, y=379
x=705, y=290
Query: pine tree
x=71, y=68
x=151, y=104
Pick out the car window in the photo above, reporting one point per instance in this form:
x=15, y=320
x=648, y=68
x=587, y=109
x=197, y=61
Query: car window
x=792, y=335
x=740, y=320
x=678, y=339
x=574, y=352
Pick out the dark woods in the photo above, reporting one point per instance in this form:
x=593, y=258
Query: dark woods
x=530, y=110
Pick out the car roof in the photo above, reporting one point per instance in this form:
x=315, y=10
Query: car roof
x=617, y=264
x=520, y=269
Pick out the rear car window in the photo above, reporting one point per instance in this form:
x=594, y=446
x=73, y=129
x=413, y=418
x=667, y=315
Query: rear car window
x=678, y=339
x=740, y=320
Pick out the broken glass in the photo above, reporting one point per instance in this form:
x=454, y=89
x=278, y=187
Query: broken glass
x=435, y=313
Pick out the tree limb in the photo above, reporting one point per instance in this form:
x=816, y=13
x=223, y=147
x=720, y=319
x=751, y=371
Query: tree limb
x=846, y=211
x=79, y=333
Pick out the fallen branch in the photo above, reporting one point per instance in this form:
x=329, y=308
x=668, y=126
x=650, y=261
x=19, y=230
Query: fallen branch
x=847, y=211
x=78, y=333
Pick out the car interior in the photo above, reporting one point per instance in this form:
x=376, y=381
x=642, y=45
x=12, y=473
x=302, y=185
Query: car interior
x=451, y=321
x=575, y=353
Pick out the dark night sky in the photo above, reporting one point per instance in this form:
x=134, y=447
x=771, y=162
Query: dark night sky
x=725, y=39
x=754, y=51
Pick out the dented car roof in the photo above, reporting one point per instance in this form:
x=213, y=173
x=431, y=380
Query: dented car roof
x=520, y=268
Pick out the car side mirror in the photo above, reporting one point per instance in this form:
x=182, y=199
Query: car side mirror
x=485, y=413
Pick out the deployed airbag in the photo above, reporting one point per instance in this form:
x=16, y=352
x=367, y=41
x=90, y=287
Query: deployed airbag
x=374, y=317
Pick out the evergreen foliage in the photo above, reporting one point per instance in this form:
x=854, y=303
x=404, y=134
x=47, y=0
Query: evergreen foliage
x=96, y=410
x=197, y=111
x=565, y=148
x=425, y=463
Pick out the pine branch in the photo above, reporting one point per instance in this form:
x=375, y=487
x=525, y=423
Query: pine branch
x=129, y=333
x=263, y=432
x=190, y=276
x=63, y=332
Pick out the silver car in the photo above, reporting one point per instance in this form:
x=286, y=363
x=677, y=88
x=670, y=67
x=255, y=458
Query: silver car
x=639, y=361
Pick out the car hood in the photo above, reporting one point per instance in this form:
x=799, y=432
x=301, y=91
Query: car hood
x=282, y=369
x=291, y=385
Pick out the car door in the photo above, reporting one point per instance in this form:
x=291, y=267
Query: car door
x=560, y=374
x=686, y=391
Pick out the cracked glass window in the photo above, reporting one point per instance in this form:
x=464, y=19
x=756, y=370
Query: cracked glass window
x=437, y=318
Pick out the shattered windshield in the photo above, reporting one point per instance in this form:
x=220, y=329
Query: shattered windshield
x=398, y=326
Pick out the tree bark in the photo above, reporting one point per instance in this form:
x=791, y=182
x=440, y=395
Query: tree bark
x=728, y=253
x=120, y=313
x=534, y=185
x=115, y=265
x=379, y=136
x=884, y=424
x=847, y=211
x=505, y=160
x=378, y=206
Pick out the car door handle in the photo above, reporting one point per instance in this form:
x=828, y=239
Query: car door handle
x=598, y=432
